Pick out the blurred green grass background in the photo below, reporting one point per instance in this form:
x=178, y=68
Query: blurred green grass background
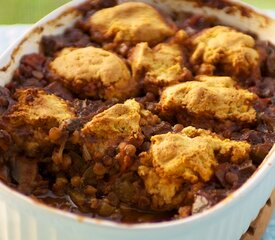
x=29, y=11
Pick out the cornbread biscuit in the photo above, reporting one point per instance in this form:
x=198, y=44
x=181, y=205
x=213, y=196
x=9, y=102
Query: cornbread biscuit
x=35, y=113
x=211, y=97
x=161, y=66
x=227, y=48
x=165, y=192
x=188, y=156
x=120, y=123
x=94, y=72
x=216, y=81
x=131, y=22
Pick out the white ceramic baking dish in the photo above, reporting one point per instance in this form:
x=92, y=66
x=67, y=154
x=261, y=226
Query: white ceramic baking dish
x=22, y=218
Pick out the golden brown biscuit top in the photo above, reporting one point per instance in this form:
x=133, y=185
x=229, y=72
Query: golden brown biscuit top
x=188, y=156
x=94, y=72
x=216, y=97
x=216, y=81
x=192, y=154
x=132, y=22
x=116, y=124
x=30, y=119
x=163, y=65
x=166, y=192
x=36, y=107
x=234, y=151
x=232, y=50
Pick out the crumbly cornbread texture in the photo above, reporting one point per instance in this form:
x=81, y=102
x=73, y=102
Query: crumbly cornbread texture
x=116, y=124
x=94, y=72
x=234, y=52
x=36, y=112
x=211, y=97
x=188, y=156
x=131, y=22
x=162, y=65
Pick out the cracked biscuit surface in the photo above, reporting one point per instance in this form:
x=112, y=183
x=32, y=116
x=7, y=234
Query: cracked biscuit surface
x=94, y=72
x=36, y=112
x=234, y=52
x=131, y=22
x=188, y=156
x=116, y=124
x=162, y=66
x=211, y=97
